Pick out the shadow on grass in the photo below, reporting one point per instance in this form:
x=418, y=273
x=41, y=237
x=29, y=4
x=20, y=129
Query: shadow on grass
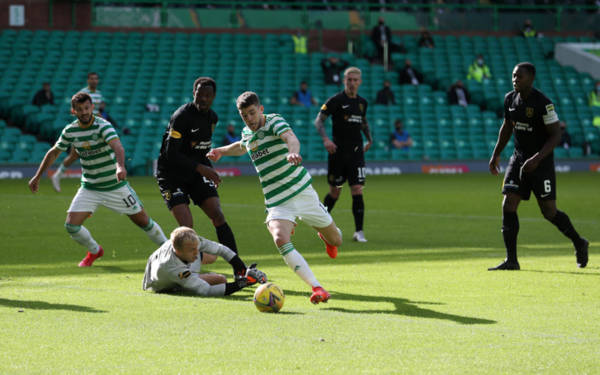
x=578, y=273
x=402, y=306
x=41, y=305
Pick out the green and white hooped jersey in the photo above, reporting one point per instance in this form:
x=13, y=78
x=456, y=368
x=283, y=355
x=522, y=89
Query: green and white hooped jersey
x=98, y=162
x=96, y=96
x=280, y=180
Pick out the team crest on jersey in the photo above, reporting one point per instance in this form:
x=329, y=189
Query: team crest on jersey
x=260, y=135
x=184, y=274
x=168, y=195
x=362, y=107
x=86, y=145
x=529, y=112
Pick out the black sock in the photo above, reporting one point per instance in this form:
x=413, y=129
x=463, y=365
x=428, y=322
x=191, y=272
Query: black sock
x=563, y=223
x=329, y=202
x=231, y=288
x=358, y=210
x=510, y=229
x=225, y=236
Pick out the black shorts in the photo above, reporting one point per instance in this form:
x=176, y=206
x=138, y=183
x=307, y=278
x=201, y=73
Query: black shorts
x=542, y=180
x=176, y=191
x=344, y=166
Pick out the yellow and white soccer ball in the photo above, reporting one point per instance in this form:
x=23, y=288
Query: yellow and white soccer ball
x=268, y=298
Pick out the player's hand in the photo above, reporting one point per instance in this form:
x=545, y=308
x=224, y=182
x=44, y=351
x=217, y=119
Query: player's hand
x=254, y=275
x=121, y=173
x=294, y=158
x=214, y=155
x=209, y=173
x=368, y=146
x=34, y=184
x=330, y=146
x=530, y=164
x=495, y=165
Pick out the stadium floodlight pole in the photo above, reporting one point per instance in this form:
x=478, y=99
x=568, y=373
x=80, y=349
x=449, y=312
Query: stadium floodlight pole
x=385, y=56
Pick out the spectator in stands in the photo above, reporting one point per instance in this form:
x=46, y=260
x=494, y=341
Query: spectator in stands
x=594, y=101
x=231, y=136
x=44, y=96
x=332, y=68
x=400, y=137
x=426, y=41
x=478, y=70
x=300, y=42
x=528, y=31
x=565, y=137
x=408, y=75
x=385, y=95
x=380, y=35
x=303, y=97
x=458, y=94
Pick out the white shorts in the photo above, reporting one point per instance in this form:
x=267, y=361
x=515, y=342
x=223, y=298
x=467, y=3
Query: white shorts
x=305, y=206
x=122, y=200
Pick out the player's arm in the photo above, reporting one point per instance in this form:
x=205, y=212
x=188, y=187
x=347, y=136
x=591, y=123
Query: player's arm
x=552, y=141
x=503, y=137
x=232, y=149
x=119, y=151
x=192, y=283
x=320, y=125
x=367, y=132
x=293, y=144
x=49, y=158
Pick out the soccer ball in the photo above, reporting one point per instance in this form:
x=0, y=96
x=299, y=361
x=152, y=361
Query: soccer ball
x=268, y=298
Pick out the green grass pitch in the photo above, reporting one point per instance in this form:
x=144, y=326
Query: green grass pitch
x=415, y=299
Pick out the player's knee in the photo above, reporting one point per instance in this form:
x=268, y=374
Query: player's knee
x=72, y=229
x=218, y=219
x=335, y=192
x=280, y=238
x=356, y=190
x=549, y=213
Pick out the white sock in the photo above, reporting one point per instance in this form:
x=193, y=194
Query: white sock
x=61, y=169
x=83, y=237
x=154, y=232
x=296, y=262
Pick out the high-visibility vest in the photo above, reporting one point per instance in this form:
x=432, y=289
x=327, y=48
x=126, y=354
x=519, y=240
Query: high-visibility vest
x=594, y=99
x=299, y=44
x=530, y=33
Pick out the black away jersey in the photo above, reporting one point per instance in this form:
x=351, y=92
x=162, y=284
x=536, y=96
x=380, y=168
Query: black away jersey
x=530, y=117
x=186, y=140
x=347, y=119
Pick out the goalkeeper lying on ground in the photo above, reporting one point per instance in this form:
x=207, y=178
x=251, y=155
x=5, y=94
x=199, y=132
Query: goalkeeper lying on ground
x=175, y=266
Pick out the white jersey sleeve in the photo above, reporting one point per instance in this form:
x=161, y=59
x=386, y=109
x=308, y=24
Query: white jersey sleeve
x=215, y=248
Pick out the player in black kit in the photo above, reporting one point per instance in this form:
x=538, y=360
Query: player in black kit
x=183, y=170
x=530, y=115
x=346, y=160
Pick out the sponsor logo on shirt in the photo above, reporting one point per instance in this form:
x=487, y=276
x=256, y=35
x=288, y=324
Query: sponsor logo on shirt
x=523, y=126
x=259, y=154
x=86, y=153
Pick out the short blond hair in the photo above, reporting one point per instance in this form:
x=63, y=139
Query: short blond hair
x=181, y=235
x=351, y=70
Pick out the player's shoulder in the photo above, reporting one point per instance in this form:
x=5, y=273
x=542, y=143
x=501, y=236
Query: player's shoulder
x=510, y=95
x=540, y=96
x=102, y=122
x=273, y=119
x=362, y=100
